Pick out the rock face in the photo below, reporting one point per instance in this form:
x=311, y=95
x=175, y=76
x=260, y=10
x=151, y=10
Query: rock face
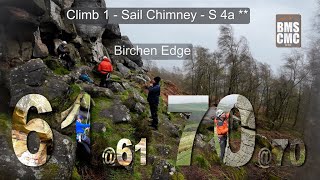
x=116, y=87
x=30, y=33
x=40, y=50
x=35, y=77
x=112, y=32
x=59, y=165
x=123, y=42
x=123, y=70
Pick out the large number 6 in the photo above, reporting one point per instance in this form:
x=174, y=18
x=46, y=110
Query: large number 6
x=21, y=129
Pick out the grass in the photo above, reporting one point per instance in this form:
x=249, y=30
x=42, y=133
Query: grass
x=4, y=123
x=61, y=71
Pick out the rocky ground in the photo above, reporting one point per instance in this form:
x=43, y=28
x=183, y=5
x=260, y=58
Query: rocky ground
x=30, y=32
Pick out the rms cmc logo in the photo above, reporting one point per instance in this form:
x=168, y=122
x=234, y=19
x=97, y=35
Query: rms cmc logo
x=288, y=30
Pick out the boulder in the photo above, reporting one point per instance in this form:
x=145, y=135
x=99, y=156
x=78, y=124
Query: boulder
x=96, y=91
x=146, y=77
x=34, y=77
x=123, y=70
x=139, y=79
x=172, y=129
x=138, y=98
x=126, y=85
x=139, y=108
x=98, y=127
x=115, y=87
x=40, y=50
x=112, y=31
x=60, y=165
x=117, y=112
x=135, y=106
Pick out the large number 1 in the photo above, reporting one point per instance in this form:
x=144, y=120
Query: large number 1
x=21, y=129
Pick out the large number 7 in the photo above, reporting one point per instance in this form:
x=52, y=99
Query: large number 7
x=197, y=106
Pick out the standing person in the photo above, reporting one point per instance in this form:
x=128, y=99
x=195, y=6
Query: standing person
x=105, y=68
x=153, y=99
x=221, y=122
x=64, y=54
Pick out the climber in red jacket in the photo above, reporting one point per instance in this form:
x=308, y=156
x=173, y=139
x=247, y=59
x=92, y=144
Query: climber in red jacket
x=105, y=69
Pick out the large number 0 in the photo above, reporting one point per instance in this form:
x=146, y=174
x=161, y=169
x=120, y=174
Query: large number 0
x=198, y=108
x=21, y=129
x=248, y=127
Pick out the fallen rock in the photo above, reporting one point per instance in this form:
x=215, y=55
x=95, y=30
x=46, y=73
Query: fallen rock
x=98, y=127
x=137, y=97
x=173, y=130
x=96, y=91
x=117, y=112
x=139, y=108
x=115, y=87
x=126, y=85
x=139, y=79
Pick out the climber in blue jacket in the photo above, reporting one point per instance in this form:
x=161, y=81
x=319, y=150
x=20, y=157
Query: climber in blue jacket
x=80, y=130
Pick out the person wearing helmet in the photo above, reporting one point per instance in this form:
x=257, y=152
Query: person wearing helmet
x=105, y=69
x=80, y=130
x=64, y=53
x=221, y=122
x=62, y=49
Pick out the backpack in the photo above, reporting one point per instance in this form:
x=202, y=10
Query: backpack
x=85, y=78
